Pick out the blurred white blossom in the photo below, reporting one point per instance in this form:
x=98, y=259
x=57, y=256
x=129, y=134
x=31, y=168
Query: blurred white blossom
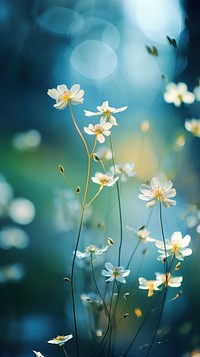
x=13, y=237
x=12, y=273
x=142, y=234
x=104, y=180
x=193, y=126
x=172, y=281
x=27, y=141
x=123, y=171
x=38, y=354
x=149, y=285
x=91, y=250
x=21, y=211
x=178, y=94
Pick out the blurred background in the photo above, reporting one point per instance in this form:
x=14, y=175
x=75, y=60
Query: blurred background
x=102, y=46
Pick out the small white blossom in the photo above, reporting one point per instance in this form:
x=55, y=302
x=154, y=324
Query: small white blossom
x=123, y=171
x=106, y=113
x=178, y=94
x=142, y=234
x=149, y=285
x=63, y=95
x=38, y=354
x=173, y=281
x=118, y=273
x=176, y=246
x=60, y=340
x=104, y=180
x=91, y=250
x=158, y=191
x=193, y=126
x=99, y=131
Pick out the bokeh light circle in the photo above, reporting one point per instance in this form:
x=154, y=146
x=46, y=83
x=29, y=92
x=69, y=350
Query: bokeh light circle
x=94, y=59
x=22, y=211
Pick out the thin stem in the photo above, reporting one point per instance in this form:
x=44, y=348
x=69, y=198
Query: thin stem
x=65, y=352
x=93, y=198
x=136, y=247
x=69, y=184
x=110, y=323
x=119, y=205
x=163, y=237
x=77, y=128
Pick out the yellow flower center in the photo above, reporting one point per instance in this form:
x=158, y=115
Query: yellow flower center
x=158, y=193
x=175, y=247
x=59, y=338
x=107, y=113
x=66, y=96
x=150, y=285
x=104, y=181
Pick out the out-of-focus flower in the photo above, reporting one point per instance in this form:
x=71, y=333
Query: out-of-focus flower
x=179, y=142
x=118, y=273
x=176, y=247
x=149, y=285
x=144, y=126
x=60, y=340
x=173, y=281
x=106, y=113
x=67, y=210
x=12, y=273
x=92, y=301
x=21, y=211
x=99, y=131
x=6, y=195
x=91, y=250
x=27, y=141
x=104, y=153
x=192, y=217
x=158, y=191
x=178, y=94
x=196, y=92
x=38, y=354
x=123, y=171
x=142, y=234
x=63, y=95
x=193, y=126
x=13, y=237
x=104, y=180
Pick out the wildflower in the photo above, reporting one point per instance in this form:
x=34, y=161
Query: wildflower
x=123, y=170
x=173, y=281
x=178, y=94
x=99, y=131
x=104, y=180
x=91, y=250
x=149, y=285
x=158, y=191
x=117, y=273
x=177, y=246
x=63, y=95
x=106, y=112
x=193, y=126
x=142, y=234
x=104, y=153
x=38, y=354
x=60, y=340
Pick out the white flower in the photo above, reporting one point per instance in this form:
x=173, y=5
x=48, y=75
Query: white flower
x=91, y=250
x=149, y=285
x=99, y=131
x=123, y=170
x=193, y=126
x=142, y=234
x=63, y=95
x=178, y=94
x=117, y=273
x=173, y=281
x=158, y=191
x=106, y=112
x=38, y=354
x=177, y=246
x=104, y=180
x=60, y=340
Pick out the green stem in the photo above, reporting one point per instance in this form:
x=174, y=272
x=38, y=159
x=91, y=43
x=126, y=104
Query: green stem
x=77, y=128
x=119, y=205
x=65, y=352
